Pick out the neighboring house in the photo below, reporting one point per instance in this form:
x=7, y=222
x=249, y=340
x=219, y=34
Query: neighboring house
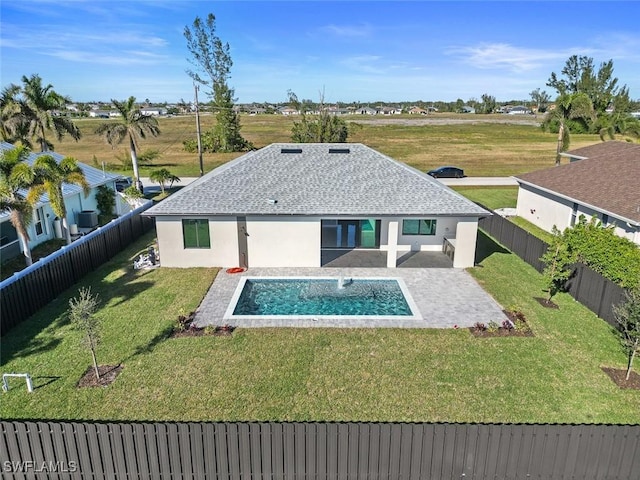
x=80, y=209
x=366, y=111
x=519, y=110
x=152, y=111
x=467, y=109
x=418, y=111
x=283, y=205
x=99, y=113
x=288, y=111
x=602, y=180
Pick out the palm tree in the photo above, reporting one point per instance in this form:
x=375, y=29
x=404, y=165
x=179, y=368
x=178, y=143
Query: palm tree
x=163, y=176
x=9, y=110
x=132, y=124
x=49, y=177
x=39, y=105
x=16, y=175
x=569, y=107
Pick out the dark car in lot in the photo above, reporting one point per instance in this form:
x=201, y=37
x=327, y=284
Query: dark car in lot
x=125, y=182
x=446, y=172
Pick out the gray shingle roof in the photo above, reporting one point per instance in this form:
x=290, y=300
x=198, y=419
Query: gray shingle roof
x=316, y=182
x=606, y=179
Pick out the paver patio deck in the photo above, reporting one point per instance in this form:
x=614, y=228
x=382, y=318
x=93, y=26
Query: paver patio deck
x=445, y=297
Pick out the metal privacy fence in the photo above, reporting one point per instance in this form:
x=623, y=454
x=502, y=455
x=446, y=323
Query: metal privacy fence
x=26, y=292
x=597, y=293
x=238, y=451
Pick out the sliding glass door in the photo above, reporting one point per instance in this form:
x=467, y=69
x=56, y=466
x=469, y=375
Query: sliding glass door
x=349, y=234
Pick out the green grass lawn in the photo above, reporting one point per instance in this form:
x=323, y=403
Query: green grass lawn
x=491, y=197
x=486, y=145
x=315, y=374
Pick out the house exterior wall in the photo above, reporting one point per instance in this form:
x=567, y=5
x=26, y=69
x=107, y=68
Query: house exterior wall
x=274, y=241
x=223, y=235
x=543, y=209
x=466, y=236
x=546, y=210
x=283, y=241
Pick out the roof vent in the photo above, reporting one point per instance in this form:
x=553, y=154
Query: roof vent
x=339, y=150
x=272, y=201
x=290, y=150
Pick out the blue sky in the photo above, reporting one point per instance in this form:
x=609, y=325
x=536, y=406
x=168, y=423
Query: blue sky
x=355, y=51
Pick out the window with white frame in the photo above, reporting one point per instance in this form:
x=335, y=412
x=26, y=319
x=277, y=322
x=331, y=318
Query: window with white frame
x=39, y=221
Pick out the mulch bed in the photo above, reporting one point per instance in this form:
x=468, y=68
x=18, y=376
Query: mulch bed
x=618, y=376
x=108, y=374
x=224, y=331
x=546, y=303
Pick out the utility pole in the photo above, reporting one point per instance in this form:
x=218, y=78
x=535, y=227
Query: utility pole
x=195, y=86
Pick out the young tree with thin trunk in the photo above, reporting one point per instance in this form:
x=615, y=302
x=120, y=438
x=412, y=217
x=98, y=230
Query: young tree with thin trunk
x=557, y=259
x=133, y=125
x=82, y=313
x=49, y=177
x=15, y=176
x=627, y=314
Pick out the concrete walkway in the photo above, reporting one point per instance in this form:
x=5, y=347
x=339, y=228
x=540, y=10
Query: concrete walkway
x=444, y=297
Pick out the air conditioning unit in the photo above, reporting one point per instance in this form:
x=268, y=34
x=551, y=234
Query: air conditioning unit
x=87, y=219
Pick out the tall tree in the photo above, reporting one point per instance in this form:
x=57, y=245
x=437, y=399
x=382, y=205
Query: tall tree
x=572, y=111
x=17, y=176
x=321, y=128
x=211, y=59
x=541, y=99
x=132, y=124
x=49, y=177
x=488, y=104
x=10, y=113
x=39, y=105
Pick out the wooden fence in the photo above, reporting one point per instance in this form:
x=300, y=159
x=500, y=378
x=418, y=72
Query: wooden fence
x=597, y=293
x=296, y=451
x=26, y=292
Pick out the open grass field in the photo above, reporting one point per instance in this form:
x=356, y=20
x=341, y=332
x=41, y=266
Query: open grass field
x=491, y=145
x=315, y=374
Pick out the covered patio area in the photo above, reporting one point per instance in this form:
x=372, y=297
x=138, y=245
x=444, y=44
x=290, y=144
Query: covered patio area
x=355, y=258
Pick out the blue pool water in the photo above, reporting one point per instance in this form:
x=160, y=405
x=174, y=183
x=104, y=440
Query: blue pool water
x=361, y=297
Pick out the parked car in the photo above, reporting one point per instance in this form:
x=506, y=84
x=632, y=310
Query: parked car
x=446, y=172
x=125, y=182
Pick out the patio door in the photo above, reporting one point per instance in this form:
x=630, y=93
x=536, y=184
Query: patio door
x=349, y=234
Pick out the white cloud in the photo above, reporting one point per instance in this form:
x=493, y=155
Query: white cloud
x=362, y=30
x=505, y=56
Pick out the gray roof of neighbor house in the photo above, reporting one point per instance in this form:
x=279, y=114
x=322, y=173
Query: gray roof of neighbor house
x=95, y=177
x=607, y=179
x=316, y=179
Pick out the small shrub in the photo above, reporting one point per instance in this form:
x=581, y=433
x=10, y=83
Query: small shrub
x=479, y=327
x=493, y=326
x=508, y=325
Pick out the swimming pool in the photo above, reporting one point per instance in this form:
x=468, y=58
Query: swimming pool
x=321, y=297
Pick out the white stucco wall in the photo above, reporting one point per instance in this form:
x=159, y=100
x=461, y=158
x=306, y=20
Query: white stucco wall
x=283, y=241
x=545, y=211
x=542, y=209
x=223, y=233
x=466, y=236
